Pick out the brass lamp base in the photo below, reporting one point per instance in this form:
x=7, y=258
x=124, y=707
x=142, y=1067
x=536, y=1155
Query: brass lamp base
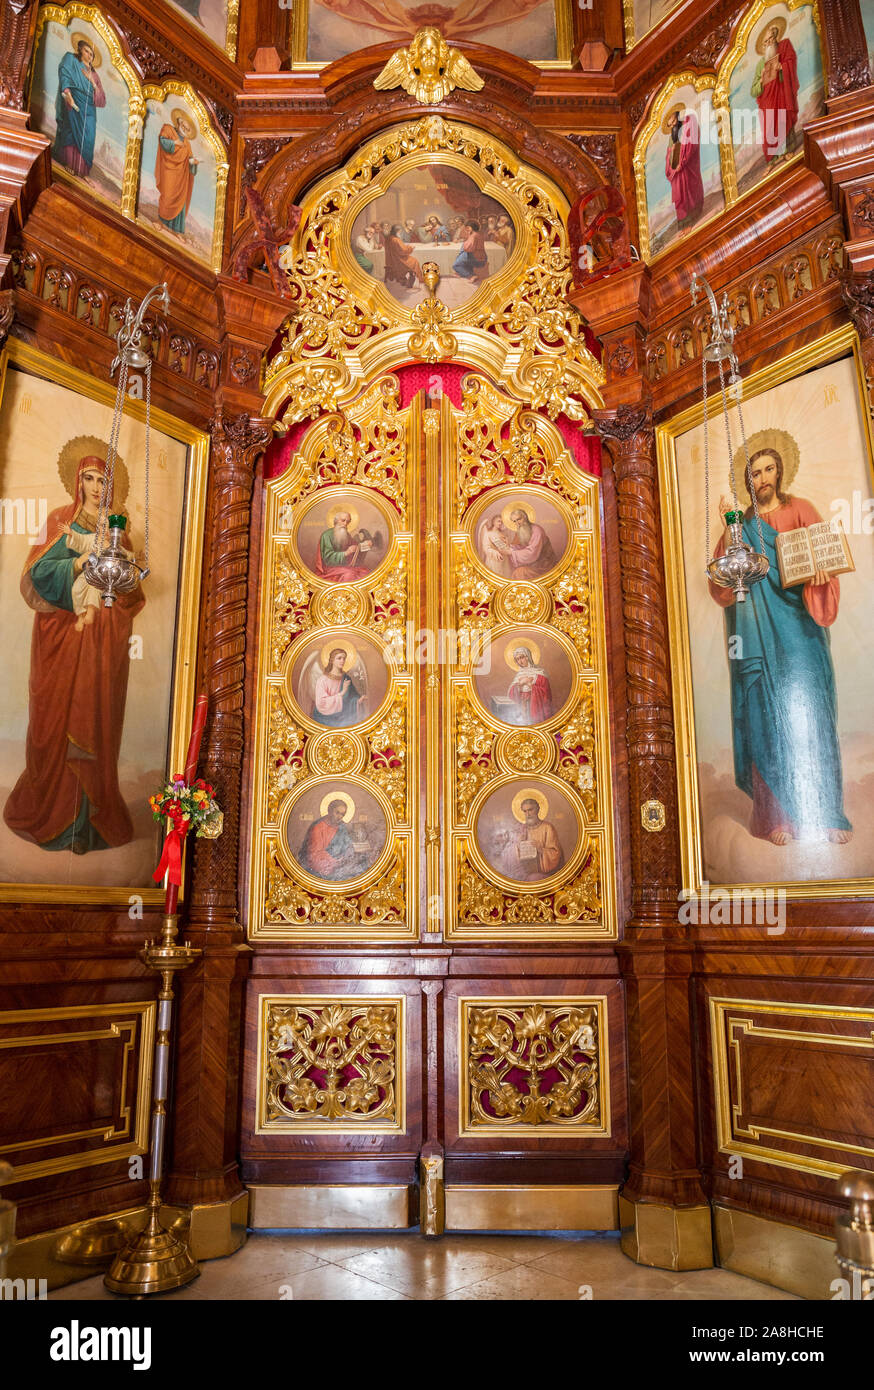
x=155, y=1261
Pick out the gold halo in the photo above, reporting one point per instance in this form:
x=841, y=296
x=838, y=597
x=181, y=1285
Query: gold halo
x=511, y=507
x=528, y=794
x=78, y=37
x=511, y=647
x=81, y=447
x=779, y=24
x=348, y=648
x=342, y=507
x=338, y=796
x=666, y=119
x=780, y=440
x=189, y=120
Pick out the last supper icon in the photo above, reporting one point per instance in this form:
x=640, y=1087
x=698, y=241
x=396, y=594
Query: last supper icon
x=344, y=537
x=335, y=832
x=338, y=680
x=527, y=832
x=433, y=213
x=527, y=677
x=521, y=536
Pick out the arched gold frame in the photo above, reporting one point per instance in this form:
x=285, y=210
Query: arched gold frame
x=348, y=885
x=719, y=82
x=159, y=92
x=496, y=636
x=543, y=885
x=325, y=635
x=704, y=82
x=63, y=14
x=523, y=334
x=748, y=23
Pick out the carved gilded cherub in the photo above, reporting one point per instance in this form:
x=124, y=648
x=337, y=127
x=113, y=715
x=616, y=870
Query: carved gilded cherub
x=429, y=69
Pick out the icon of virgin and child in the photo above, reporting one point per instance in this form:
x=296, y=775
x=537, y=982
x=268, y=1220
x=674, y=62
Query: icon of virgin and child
x=68, y=796
x=514, y=544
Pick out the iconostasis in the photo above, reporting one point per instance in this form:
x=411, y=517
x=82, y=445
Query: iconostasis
x=710, y=138
x=149, y=149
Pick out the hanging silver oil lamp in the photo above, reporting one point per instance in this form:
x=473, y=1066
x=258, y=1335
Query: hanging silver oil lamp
x=741, y=565
x=111, y=567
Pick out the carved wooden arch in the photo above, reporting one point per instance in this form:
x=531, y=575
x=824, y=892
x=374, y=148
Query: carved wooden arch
x=291, y=170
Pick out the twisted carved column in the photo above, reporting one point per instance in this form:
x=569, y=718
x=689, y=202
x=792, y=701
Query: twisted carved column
x=649, y=731
x=663, y=1169
x=237, y=443
x=210, y=1013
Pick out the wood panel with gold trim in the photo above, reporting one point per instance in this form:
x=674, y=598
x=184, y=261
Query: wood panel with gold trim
x=57, y=1124
x=788, y=1078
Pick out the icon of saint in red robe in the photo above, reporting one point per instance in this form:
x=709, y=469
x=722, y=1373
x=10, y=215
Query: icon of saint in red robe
x=683, y=165
x=775, y=88
x=530, y=693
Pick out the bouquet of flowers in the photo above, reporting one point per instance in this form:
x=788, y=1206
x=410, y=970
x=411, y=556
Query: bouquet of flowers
x=186, y=806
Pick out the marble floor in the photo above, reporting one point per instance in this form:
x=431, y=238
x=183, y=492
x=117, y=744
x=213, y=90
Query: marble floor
x=363, y=1266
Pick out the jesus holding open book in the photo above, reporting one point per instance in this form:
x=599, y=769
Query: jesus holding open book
x=783, y=698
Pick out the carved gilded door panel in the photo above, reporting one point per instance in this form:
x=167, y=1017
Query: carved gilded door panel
x=336, y=837
x=431, y=888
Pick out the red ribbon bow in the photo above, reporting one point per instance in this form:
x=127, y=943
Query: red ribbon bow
x=171, y=855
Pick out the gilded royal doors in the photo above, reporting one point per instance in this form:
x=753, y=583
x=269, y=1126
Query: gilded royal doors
x=433, y=757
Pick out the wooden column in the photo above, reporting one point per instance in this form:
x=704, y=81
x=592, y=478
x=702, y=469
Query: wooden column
x=665, y=1214
x=205, y=1175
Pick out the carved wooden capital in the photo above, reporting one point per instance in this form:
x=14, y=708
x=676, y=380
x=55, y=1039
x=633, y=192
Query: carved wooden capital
x=858, y=295
x=7, y=313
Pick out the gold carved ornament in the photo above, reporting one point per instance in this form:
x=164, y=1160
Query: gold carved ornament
x=332, y=1062
x=428, y=69
x=534, y=1064
x=343, y=323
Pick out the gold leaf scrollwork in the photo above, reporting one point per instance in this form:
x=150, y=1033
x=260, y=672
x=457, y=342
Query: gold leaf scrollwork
x=533, y=1064
x=290, y=599
x=286, y=902
x=390, y=607
x=285, y=749
x=388, y=754
x=478, y=900
x=474, y=596
x=581, y=901
x=576, y=756
x=431, y=340
x=572, y=606
x=473, y=758
x=332, y=1062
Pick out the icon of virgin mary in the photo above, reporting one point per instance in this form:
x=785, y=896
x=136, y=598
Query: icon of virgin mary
x=68, y=797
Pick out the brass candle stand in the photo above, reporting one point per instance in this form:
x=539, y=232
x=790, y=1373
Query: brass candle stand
x=157, y=1259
